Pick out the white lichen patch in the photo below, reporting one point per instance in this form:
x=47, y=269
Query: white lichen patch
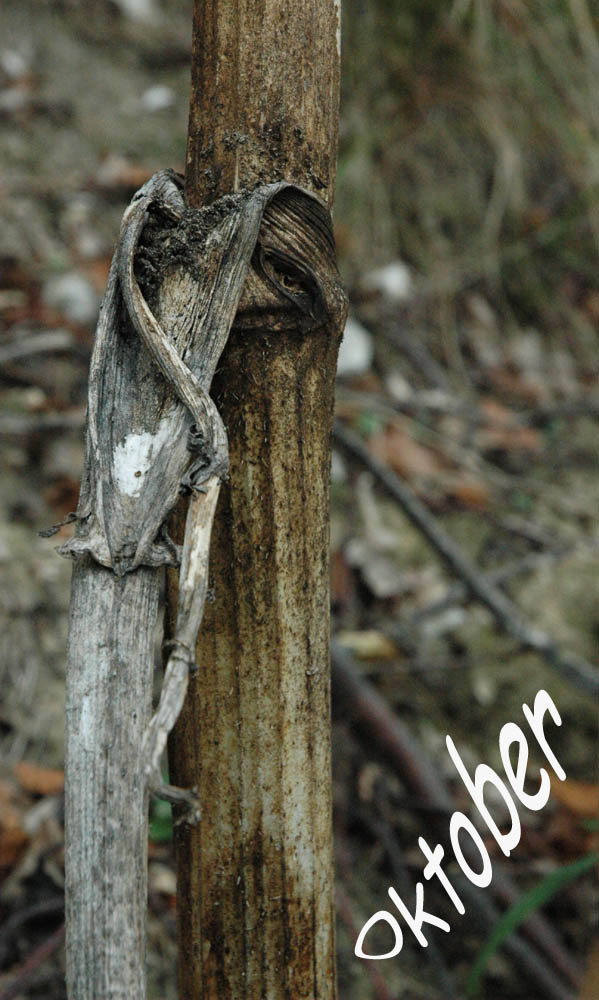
x=134, y=456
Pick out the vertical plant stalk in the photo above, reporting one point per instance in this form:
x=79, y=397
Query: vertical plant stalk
x=111, y=646
x=136, y=458
x=255, y=877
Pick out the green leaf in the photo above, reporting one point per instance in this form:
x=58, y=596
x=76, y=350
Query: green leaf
x=529, y=903
x=161, y=822
x=521, y=501
x=590, y=825
x=368, y=424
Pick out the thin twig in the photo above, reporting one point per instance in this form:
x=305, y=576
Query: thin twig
x=567, y=410
x=459, y=593
x=571, y=666
x=35, y=423
x=391, y=738
x=538, y=536
x=425, y=403
x=457, y=452
x=417, y=353
x=44, y=908
x=346, y=914
x=439, y=402
x=384, y=832
x=36, y=343
x=37, y=958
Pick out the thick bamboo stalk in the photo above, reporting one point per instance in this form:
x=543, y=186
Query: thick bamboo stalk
x=255, y=895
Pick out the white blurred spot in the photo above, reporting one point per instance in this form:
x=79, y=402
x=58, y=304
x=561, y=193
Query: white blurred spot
x=157, y=98
x=14, y=63
x=399, y=387
x=137, y=10
x=161, y=878
x=356, y=351
x=393, y=281
x=338, y=468
x=74, y=296
x=484, y=688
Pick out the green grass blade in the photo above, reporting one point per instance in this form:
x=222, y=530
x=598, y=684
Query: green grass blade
x=518, y=913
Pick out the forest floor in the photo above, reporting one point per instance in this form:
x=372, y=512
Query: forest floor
x=465, y=465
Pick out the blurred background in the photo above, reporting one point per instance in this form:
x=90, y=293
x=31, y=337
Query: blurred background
x=465, y=465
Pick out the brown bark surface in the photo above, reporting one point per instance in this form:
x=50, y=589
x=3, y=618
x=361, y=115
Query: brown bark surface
x=256, y=910
x=264, y=96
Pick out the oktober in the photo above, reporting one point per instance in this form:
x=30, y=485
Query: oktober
x=460, y=827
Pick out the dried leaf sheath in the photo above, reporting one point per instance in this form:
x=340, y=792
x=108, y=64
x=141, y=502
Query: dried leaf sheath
x=193, y=584
x=152, y=429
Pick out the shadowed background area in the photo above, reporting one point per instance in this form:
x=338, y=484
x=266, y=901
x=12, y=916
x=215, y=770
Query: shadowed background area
x=466, y=220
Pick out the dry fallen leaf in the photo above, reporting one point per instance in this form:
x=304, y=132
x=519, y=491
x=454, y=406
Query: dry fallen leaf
x=512, y=385
x=39, y=780
x=342, y=583
x=591, y=305
x=13, y=839
x=367, y=778
x=502, y=431
x=577, y=796
x=7, y=793
x=471, y=493
x=62, y=496
x=589, y=989
x=13, y=842
x=96, y=271
x=404, y=455
x=117, y=173
x=12, y=806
